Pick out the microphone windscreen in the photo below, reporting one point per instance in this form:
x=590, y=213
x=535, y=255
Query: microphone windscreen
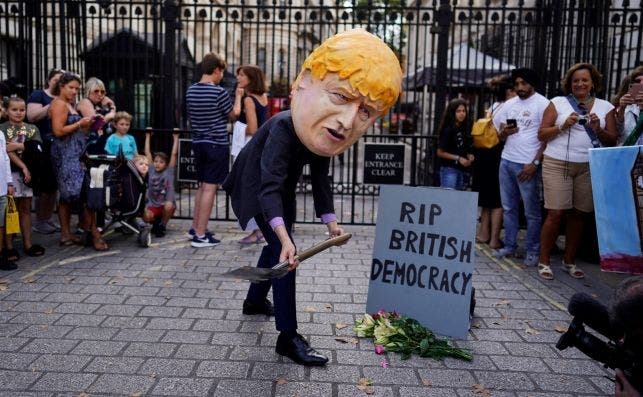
x=591, y=312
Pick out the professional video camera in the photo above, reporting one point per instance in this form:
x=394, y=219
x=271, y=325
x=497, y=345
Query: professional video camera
x=612, y=354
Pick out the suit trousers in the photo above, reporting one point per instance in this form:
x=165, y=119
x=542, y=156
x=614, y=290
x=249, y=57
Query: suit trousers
x=283, y=289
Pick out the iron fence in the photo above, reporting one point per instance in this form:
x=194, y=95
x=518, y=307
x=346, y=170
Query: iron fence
x=148, y=53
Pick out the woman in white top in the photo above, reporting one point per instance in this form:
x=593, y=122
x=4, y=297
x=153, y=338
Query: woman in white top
x=571, y=125
x=628, y=108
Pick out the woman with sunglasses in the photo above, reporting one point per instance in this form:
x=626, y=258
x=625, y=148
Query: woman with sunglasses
x=70, y=130
x=37, y=113
x=571, y=125
x=101, y=109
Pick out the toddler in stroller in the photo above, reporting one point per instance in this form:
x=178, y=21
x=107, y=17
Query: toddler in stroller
x=117, y=185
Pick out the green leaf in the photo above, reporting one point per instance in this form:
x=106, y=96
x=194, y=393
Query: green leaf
x=424, y=346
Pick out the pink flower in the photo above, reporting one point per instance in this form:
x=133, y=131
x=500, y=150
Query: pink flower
x=379, y=349
x=384, y=364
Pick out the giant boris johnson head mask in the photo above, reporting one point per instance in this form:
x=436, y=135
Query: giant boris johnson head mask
x=344, y=85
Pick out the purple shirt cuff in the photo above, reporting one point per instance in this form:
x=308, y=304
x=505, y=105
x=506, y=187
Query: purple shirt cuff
x=274, y=222
x=325, y=218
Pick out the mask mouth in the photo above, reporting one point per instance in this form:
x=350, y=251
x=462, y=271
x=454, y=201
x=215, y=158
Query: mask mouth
x=336, y=134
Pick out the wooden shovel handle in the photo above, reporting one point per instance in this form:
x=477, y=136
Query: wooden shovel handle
x=317, y=248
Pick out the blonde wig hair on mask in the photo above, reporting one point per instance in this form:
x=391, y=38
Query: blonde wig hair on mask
x=365, y=60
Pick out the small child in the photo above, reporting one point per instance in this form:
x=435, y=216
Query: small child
x=6, y=187
x=142, y=164
x=160, y=195
x=17, y=132
x=121, y=139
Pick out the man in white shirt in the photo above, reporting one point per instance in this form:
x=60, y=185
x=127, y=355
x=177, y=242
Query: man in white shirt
x=518, y=121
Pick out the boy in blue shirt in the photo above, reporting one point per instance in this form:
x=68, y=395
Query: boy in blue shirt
x=121, y=138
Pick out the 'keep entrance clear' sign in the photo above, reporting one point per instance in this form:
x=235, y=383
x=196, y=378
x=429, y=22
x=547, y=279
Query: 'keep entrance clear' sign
x=187, y=172
x=423, y=256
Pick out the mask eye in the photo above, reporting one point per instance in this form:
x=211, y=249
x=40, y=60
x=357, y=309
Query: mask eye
x=341, y=97
x=364, y=112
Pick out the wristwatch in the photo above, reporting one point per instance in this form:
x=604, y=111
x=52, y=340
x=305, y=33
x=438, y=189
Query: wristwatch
x=536, y=162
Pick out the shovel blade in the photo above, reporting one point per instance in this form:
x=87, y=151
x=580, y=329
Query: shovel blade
x=255, y=274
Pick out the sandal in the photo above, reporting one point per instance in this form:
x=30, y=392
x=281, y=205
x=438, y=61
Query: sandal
x=480, y=241
x=70, y=241
x=573, y=271
x=11, y=254
x=545, y=272
x=99, y=244
x=251, y=239
x=35, y=250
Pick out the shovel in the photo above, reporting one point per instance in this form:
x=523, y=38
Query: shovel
x=258, y=274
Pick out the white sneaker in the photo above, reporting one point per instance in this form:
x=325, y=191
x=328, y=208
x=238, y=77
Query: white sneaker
x=531, y=260
x=43, y=228
x=54, y=225
x=503, y=252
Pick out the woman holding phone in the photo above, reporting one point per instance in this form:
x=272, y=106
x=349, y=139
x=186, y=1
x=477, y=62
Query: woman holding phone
x=629, y=102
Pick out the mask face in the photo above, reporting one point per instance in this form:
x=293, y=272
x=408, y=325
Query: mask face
x=329, y=115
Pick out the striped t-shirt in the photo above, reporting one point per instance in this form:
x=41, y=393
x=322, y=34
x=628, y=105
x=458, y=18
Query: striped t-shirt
x=208, y=106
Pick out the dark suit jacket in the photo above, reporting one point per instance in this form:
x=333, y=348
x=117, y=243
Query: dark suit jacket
x=264, y=176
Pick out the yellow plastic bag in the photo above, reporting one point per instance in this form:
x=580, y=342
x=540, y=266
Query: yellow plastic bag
x=484, y=134
x=12, y=221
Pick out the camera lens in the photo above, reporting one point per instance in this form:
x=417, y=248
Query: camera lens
x=582, y=121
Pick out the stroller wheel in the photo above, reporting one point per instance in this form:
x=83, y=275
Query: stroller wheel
x=145, y=238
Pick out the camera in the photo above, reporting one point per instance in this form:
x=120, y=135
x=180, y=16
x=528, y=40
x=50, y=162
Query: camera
x=612, y=354
x=511, y=123
x=583, y=119
x=103, y=109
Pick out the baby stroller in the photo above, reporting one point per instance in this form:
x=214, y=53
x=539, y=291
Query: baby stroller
x=114, y=185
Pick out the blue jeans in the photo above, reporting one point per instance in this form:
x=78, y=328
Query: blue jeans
x=452, y=178
x=511, y=191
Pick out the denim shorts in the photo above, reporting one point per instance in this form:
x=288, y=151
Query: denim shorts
x=211, y=162
x=453, y=178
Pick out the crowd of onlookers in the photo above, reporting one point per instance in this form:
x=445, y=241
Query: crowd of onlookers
x=51, y=136
x=542, y=155
x=45, y=147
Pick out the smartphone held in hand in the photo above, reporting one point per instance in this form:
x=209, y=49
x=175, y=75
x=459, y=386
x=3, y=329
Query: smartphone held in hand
x=511, y=123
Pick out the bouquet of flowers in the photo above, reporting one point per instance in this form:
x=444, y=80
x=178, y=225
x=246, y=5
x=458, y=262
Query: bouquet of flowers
x=396, y=333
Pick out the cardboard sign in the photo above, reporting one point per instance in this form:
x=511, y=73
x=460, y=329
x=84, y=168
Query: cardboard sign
x=186, y=170
x=423, y=256
x=617, y=187
x=384, y=163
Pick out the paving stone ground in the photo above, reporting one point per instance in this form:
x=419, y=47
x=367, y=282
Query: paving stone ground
x=162, y=321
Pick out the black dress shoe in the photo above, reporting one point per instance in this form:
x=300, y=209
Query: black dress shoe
x=297, y=349
x=265, y=308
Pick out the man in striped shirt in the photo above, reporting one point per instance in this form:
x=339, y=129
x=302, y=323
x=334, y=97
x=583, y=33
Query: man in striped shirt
x=209, y=108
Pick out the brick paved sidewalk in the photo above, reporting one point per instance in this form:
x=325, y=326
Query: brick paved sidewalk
x=161, y=321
